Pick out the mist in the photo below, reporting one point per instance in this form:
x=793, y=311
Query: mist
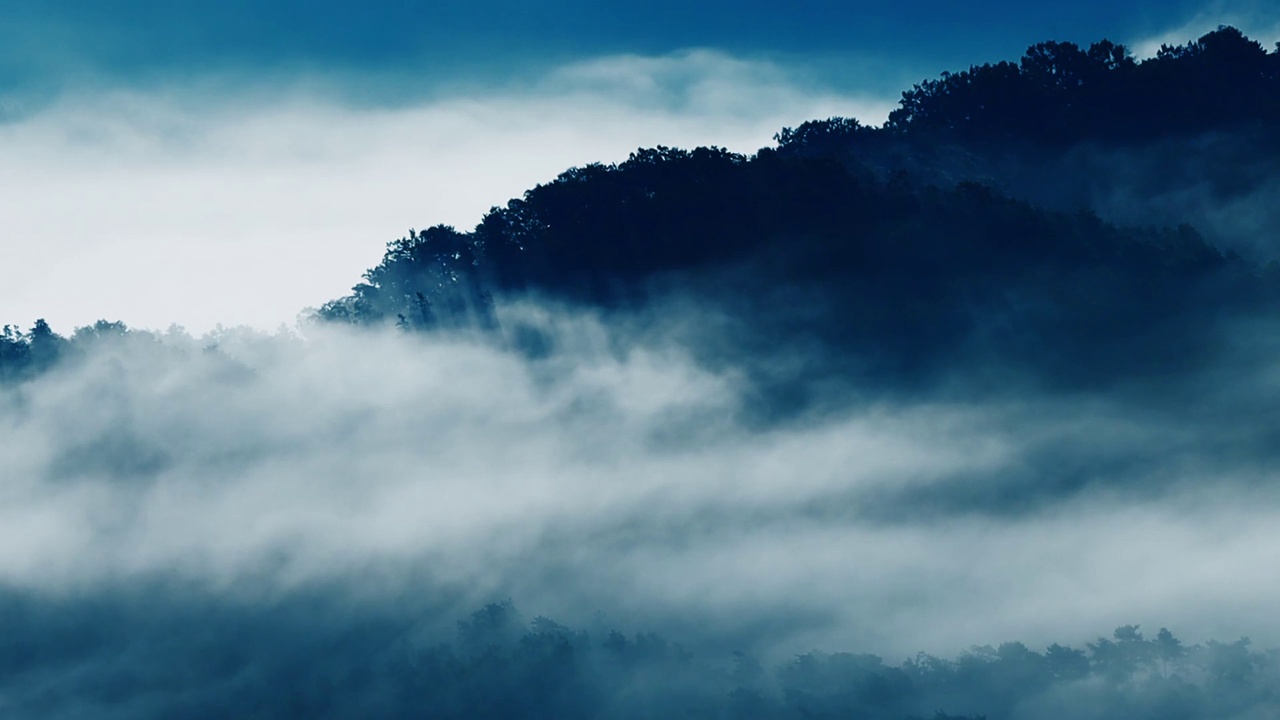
x=378, y=474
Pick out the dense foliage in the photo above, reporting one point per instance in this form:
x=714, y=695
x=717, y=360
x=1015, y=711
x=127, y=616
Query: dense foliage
x=1189, y=135
x=288, y=662
x=499, y=668
x=26, y=354
x=1061, y=94
x=899, y=281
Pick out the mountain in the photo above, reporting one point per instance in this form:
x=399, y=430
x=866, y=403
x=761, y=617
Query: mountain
x=979, y=226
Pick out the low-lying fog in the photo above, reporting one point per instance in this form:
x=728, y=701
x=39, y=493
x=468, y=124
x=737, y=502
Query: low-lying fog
x=615, y=477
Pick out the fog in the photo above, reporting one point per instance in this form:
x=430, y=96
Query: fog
x=1217, y=182
x=615, y=475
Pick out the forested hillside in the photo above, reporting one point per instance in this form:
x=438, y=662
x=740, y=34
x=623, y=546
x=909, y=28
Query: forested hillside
x=914, y=249
x=1189, y=135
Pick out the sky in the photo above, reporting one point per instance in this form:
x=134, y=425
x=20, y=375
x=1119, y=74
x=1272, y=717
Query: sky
x=231, y=163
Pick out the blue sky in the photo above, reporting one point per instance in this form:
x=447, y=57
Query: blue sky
x=57, y=42
x=159, y=152
x=489, y=36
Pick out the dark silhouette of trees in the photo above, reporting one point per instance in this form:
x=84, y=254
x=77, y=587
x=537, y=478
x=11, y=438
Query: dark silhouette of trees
x=888, y=246
x=1174, y=138
x=427, y=280
x=107, y=656
x=25, y=354
x=1059, y=93
x=14, y=352
x=893, y=281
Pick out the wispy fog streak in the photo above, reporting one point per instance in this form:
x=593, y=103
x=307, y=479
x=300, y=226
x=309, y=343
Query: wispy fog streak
x=614, y=476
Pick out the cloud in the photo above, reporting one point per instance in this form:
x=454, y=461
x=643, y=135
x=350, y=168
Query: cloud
x=217, y=202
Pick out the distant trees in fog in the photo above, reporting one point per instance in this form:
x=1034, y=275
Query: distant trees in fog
x=501, y=667
x=115, y=658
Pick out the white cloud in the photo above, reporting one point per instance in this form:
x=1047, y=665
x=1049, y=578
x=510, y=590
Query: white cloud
x=191, y=207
